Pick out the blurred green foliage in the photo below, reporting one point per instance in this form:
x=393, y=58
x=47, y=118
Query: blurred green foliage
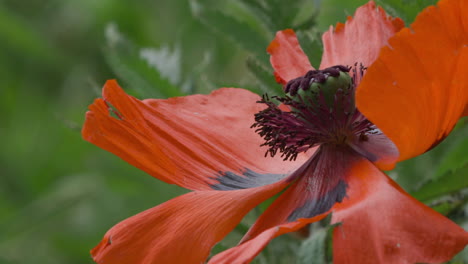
x=59, y=194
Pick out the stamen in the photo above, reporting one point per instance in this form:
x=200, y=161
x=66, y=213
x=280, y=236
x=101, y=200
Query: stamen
x=322, y=111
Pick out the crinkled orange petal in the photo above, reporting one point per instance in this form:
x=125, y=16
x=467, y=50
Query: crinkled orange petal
x=360, y=39
x=418, y=88
x=321, y=182
x=188, y=141
x=182, y=230
x=381, y=223
x=378, y=149
x=246, y=252
x=287, y=57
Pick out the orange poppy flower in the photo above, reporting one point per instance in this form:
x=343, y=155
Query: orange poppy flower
x=318, y=144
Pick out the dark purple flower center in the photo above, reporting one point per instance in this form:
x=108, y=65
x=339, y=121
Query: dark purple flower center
x=318, y=108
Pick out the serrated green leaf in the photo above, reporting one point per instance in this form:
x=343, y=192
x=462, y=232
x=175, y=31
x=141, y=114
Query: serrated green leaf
x=414, y=173
x=313, y=249
x=456, y=157
x=450, y=183
x=307, y=24
x=446, y=207
x=239, y=33
x=405, y=9
x=311, y=43
x=333, y=11
x=265, y=77
x=278, y=15
x=125, y=60
x=262, y=13
x=285, y=12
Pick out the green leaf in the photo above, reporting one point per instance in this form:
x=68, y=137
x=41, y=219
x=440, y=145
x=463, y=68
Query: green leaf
x=238, y=32
x=446, y=206
x=450, y=183
x=126, y=61
x=307, y=24
x=405, y=9
x=262, y=12
x=332, y=11
x=456, y=156
x=311, y=43
x=314, y=249
x=264, y=76
x=278, y=15
x=284, y=12
x=439, y=161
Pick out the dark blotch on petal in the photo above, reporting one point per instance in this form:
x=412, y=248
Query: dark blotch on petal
x=319, y=205
x=249, y=179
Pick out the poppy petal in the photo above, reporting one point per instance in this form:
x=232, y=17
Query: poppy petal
x=246, y=252
x=360, y=39
x=190, y=141
x=321, y=182
x=417, y=89
x=378, y=149
x=381, y=223
x=182, y=230
x=287, y=57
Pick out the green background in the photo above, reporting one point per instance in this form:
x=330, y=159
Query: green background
x=60, y=194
